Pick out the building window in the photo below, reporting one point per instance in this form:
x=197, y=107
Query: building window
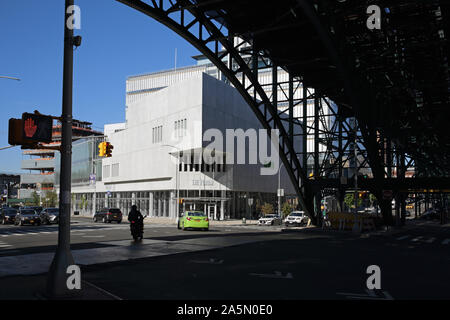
x=115, y=170
x=106, y=171
x=180, y=127
x=157, y=134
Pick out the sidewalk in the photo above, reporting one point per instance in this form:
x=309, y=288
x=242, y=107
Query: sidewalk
x=33, y=288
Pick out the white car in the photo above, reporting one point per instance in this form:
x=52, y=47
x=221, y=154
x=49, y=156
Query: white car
x=296, y=218
x=269, y=220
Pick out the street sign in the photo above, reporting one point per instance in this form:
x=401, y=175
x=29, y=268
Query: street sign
x=37, y=128
x=280, y=192
x=250, y=201
x=92, y=179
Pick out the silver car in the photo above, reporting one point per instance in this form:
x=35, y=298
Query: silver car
x=269, y=220
x=296, y=218
x=50, y=216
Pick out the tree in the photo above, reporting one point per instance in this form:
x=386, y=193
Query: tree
x=349, y=200
x=36, y=199
x=372, y=199
x=286, y=209
x=267, y=208
x=51, y=200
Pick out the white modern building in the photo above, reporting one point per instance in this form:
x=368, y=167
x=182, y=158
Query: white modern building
x=160, y=155
x=157, y=156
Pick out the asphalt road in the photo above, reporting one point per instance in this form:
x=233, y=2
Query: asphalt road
x=16, y=240
x=414, y=262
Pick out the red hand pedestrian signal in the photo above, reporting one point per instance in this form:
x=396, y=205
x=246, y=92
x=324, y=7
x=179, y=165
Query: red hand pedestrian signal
x=30, y=128
x=37, y=127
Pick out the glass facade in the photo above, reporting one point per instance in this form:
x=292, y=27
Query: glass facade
x=84, y=164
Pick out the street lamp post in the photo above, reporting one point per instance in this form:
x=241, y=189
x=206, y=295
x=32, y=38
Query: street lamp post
x=9, y=78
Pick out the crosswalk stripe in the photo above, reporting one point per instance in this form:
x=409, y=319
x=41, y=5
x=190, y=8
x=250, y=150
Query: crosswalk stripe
x=417, y=239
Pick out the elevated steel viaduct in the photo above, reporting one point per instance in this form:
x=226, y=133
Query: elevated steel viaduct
x=380, y=97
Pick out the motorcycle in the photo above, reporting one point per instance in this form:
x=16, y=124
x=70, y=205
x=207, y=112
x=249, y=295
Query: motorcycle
x=137, y=229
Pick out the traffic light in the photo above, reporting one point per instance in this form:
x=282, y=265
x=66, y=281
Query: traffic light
x=37, y=127
x=102, y=149
x=15, y=133
x=109, y=149
x=30, y=130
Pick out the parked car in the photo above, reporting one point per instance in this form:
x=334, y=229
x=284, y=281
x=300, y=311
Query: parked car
x=35, y=208
x=270, y=219
x=49, y=216
x=193, y=220
x=8, y=215
x=107, y=215
x=297, y=218
x=430, y=214
x=27, y=216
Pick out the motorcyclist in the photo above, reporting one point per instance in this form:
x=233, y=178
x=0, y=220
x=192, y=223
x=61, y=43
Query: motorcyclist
x=136, y=216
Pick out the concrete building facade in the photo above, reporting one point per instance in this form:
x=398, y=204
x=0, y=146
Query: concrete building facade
x=159, y=153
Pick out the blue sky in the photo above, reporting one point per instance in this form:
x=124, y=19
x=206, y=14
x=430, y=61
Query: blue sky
x=117, y=42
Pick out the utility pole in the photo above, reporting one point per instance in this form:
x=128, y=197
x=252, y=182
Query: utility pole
x=57, y=275
x=279, y=190
x=355, y=144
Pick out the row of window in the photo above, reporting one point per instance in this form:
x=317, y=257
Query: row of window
x=180, y=127
x=111, y=171
x=157, y=134
x=203, y=167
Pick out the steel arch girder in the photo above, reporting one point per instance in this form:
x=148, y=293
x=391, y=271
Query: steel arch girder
x=294, y=169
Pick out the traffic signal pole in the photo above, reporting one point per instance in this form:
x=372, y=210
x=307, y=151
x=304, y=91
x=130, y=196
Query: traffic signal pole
x=57, y=275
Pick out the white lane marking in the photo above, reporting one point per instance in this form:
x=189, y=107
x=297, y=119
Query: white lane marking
x=403, y=238
x=417, y=239
x=371, y=295
x=431, y=240
x=93, y=236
